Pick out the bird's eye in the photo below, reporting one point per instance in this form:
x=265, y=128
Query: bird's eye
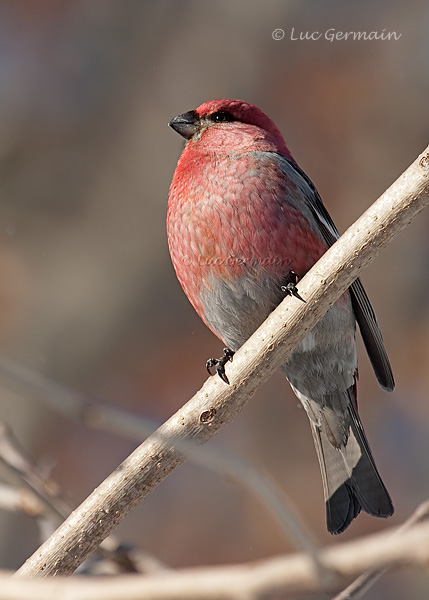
x=221, y=116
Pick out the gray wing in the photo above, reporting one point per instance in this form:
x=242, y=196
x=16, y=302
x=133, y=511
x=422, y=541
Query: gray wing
x=363, y=310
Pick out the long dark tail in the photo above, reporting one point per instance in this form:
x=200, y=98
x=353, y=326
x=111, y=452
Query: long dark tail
x=351, y=481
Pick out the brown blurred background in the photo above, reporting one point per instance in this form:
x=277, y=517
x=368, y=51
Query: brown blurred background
x=88, y=296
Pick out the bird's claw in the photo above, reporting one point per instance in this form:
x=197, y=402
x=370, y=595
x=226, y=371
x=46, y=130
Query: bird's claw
x=290, y=287
x=219, y=364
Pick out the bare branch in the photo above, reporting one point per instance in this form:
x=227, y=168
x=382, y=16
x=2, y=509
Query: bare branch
x=216, y=404
x=20, y=500
x=97, y=414
x=37, y=496
x=365, y=581
x=259, y=580
x=43, y=489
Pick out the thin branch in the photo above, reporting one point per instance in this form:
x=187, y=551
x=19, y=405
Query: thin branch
x=365, y=581
x=260, y=580
x=44, y=489
x=22, y=501
x=216, y=404
x=37, y=496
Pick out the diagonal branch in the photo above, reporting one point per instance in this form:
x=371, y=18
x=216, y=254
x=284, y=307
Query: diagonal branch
x=94, y=413
x=216, y=404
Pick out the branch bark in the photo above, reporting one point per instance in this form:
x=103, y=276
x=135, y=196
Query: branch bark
x=216, y=404
x=94, y=413
x=260, y=580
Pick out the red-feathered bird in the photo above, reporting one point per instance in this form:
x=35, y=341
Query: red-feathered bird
x=243, y=221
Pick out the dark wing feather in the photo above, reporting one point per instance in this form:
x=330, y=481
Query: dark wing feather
x=363, y=310
x=371, y=336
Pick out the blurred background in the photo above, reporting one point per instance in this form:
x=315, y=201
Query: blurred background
x=88, y=296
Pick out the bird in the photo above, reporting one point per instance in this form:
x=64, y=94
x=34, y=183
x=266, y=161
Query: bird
x=244, y=225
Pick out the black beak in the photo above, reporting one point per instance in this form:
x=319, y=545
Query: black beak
x=185, y=124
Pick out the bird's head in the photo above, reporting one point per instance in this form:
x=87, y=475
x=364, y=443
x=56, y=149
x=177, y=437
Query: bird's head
x=230, y=124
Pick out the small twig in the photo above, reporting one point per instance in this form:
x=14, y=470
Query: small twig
x=46, y=492
x=365, y=581
x=216, y=404
x=39, y=499
x=22, y=501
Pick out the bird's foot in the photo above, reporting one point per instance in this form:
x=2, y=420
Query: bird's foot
x=290, y=288
x=219, y=364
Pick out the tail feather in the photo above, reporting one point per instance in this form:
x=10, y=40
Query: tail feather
x=350, y=478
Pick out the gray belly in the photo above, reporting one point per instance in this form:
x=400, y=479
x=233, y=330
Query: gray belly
x=325, y=360
x=234, y=310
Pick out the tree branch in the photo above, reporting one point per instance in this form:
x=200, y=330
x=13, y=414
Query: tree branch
x=216, y=404
x=259, y=580
x=366, y=580
x=96, y=414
